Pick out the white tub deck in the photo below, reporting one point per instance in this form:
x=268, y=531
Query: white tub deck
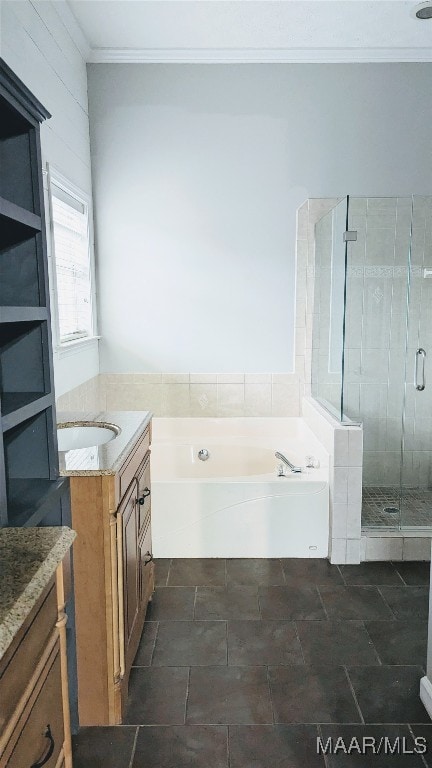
x=234, y=505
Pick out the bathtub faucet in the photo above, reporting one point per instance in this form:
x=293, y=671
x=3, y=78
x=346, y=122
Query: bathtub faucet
x=285, y=461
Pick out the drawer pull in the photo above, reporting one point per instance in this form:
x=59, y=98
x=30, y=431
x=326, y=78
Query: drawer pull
x=48, y=735
x=150, y=558
x=146, y=492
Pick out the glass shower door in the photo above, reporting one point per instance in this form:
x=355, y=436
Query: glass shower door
x=374, y=355
x=416, y=467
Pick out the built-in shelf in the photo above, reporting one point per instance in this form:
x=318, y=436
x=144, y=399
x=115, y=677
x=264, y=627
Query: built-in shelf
x=31, y=492
x=23, y=314
x=16, y=407
x=16, y=223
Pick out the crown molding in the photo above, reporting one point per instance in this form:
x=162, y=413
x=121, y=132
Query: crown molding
x=258, y=56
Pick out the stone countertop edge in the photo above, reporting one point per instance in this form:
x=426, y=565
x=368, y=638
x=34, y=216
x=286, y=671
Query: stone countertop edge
x=53, y=543
x=133, y=424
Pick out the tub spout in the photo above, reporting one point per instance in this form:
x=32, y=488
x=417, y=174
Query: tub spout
x=287, y=463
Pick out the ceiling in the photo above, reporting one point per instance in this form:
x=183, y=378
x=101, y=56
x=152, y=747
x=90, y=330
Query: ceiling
x=253, y=30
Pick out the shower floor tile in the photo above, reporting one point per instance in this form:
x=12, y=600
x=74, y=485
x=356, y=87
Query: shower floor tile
x=250, y=673
x=412, y=508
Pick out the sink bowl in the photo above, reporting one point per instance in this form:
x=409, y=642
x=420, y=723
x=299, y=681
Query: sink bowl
x=85, y=435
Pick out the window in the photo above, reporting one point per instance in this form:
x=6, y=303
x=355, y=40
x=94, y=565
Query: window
x=72, y=267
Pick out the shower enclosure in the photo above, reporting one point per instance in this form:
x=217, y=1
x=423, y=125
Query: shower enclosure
x=372, y=346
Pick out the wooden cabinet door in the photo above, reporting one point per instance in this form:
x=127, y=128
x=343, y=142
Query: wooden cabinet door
x=146, y=567
x=129, y=529
x=144, y=494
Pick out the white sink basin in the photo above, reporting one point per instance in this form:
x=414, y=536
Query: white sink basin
x=85, y=435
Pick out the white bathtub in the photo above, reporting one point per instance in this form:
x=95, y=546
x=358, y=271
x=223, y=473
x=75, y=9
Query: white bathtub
x=233, y=504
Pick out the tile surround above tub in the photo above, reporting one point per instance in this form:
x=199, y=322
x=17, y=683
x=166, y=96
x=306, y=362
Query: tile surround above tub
x=195, y=394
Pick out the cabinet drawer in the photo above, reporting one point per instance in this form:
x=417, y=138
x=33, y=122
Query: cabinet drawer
x=39, y=735
x=130, y=467
x=144, y=494
x=21, y=665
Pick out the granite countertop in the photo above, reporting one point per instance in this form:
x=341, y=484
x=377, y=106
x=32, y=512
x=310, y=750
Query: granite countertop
x=28, y=559
x=103, y=459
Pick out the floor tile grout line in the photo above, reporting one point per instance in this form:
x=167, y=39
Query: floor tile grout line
x=194, y=605
x=320, y=734
x=285, y=584
x=187, y=695
x=168, y=573
x=342, y=576
x=228, y=746
x=134, y=747
x=154, y=644
x=395, y=618
x=399, y=574
x=372, y=643
x=226, y=640
x=322, y=602
x=354, y=694
x=300, y=642
x=270, y=693
x=413, y=735
x=261, y=617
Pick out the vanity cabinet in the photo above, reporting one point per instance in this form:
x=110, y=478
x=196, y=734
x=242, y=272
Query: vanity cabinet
x=114, y=580
x=34, y=705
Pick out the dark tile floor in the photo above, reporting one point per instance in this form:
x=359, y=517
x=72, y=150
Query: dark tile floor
x=245, y=663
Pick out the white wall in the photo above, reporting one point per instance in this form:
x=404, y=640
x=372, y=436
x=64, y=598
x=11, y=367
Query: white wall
x=198, y=171
x=43, y=44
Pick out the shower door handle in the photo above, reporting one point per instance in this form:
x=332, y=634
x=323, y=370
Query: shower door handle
x=420, y=385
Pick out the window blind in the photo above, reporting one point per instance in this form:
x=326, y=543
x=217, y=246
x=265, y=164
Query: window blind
x=72, y=265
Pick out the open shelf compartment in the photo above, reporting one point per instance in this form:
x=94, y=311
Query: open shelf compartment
x=17, y=150
x=21, y=273
x=24, y=360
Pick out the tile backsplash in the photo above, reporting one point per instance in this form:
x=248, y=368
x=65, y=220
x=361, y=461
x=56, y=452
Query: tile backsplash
x=194, y=394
